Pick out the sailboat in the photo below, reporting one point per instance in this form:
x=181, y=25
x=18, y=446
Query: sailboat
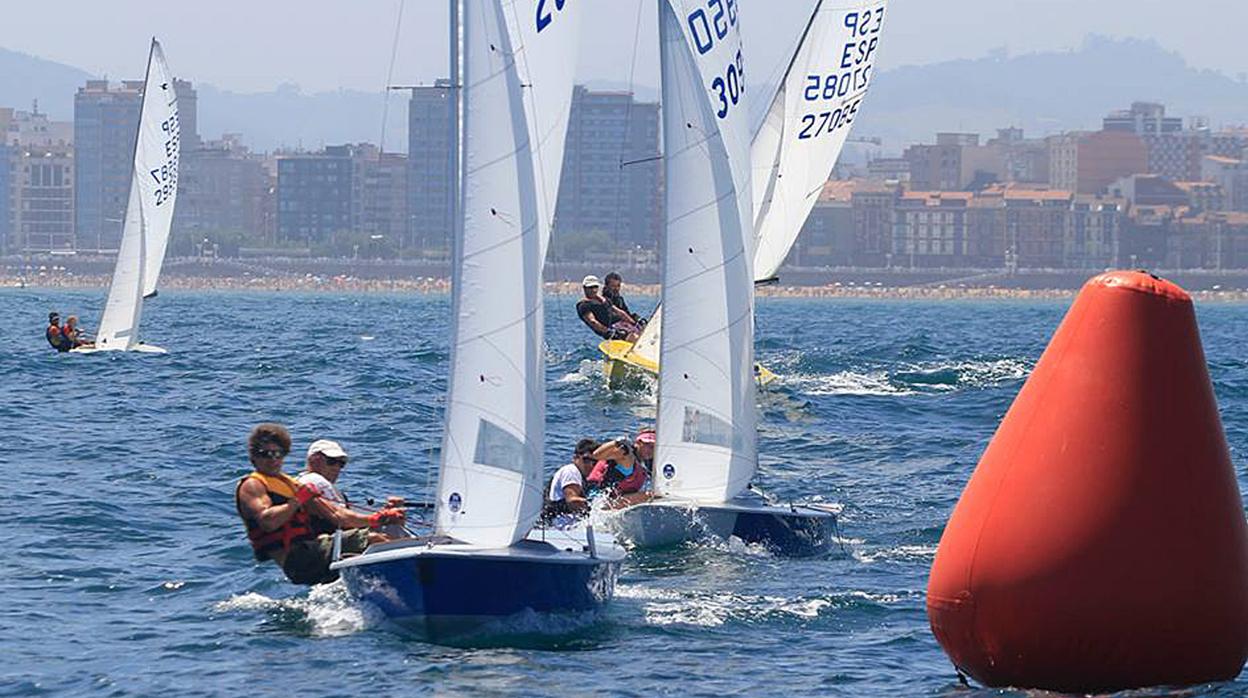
x=484, y=560
x=793, y=151
x=149, y=213
x=707, y=453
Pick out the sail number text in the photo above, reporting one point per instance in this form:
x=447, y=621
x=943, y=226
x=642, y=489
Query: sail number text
x=166, y=176
x=723, y=17
x=709, y=28
x=545, y=15
x=850, y=79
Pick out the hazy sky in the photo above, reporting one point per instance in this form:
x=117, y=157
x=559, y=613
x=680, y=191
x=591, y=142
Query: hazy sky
x=254, y=45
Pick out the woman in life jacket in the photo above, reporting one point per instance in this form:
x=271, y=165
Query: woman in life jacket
x=623, y=469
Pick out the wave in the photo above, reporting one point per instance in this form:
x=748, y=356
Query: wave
x=667, y=607
x=913, y=379
x=326, y=611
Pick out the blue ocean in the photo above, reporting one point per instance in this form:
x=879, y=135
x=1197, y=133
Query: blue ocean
x=128, y=573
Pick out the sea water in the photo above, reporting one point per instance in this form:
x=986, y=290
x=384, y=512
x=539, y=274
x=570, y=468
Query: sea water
x=128, y=573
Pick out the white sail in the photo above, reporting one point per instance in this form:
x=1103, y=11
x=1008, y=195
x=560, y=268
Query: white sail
x=809, y=119
x=788, y=170
x=519, y=59
x=149, y=211
x=706, y=414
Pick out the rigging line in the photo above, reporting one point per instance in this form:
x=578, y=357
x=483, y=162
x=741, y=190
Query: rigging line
x=385, y=89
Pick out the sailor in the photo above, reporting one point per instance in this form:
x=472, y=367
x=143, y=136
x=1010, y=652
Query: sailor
x=55, y=334
x=606, y=320
x=611, y=291
x=73, y=334
x=565, y=498
x=277, y=512
x=325, y=461
x=623, y=468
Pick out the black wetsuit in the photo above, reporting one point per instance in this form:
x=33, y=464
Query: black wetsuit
x=601, y=312
x=618, y=301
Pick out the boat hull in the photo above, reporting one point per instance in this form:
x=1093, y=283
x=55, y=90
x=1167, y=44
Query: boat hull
x=440, y=591
x=620, y=365
x=791, y=531
x=140, y=348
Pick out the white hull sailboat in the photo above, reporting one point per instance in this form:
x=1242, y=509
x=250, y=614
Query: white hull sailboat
x=792, y=153
x=707, y=435
x=149, y=214
x=485, y=561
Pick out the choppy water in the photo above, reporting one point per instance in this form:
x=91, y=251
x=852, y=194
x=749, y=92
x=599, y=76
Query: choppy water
x=127, y=572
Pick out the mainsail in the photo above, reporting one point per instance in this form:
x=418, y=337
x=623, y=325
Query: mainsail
x=518, y=68
x=805, y=128
x=706, y=414
x=149, y=211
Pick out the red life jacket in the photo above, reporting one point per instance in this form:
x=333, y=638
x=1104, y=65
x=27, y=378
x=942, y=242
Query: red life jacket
x=281, y=489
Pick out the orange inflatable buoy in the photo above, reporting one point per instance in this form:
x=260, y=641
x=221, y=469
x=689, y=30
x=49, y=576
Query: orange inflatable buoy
x=1101, y=544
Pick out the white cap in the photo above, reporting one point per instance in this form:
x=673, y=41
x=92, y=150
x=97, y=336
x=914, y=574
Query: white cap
x=590, y=280
x=331, y=449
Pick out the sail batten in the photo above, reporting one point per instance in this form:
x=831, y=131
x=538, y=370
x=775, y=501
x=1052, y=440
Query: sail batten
x=149, y=208
x=706, y=416
x=489, y=488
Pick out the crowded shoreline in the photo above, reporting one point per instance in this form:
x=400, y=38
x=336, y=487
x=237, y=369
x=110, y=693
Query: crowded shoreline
x=433, y=285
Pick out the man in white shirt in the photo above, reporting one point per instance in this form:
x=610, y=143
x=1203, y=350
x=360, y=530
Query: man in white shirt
x=566, y=496
x=325, y=462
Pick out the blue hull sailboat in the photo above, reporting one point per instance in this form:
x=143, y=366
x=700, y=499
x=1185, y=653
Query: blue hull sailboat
x=484, y=560
x=734, y=207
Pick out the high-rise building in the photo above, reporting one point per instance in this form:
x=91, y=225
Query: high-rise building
x=221, y=189
x=315, y=195
x=383, y=197
x=1142, y=119
x=106, y=122
x=939, y=167
x=36, y=188
x=611, y=179
x=1232, y=174
x=43, y=198
x=429, y=177
x=1086, y=163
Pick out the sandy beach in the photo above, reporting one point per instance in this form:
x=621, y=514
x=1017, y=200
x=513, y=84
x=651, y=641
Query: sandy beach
x=350, y=284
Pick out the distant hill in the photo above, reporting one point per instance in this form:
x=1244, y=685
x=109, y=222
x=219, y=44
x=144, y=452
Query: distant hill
x=24, y=79
x=1044, y=92
x=1041, y=92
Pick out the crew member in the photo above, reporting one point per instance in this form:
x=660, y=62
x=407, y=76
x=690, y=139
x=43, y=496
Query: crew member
x=325, y=461
x=611, y=291
x=623, y=468
x=566, y=495
x=277, y=512
x=606, y=320
x=55, y=334
x=71, y=332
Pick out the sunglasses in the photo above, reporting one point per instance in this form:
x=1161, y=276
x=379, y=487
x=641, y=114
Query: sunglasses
x=336, y=462
x=269, y=453
x=586, y=458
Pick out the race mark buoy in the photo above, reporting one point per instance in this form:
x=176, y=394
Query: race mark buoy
x=1101, y=543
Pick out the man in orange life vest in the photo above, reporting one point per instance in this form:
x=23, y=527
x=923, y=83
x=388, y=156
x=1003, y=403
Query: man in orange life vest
x=277, y=512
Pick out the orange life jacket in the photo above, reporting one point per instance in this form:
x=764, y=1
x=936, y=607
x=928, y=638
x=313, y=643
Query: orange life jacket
x=281, y=489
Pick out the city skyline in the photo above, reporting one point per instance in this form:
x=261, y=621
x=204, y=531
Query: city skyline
x=285, y=42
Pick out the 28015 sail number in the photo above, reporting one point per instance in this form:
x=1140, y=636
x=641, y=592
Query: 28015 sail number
x=166, y=176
